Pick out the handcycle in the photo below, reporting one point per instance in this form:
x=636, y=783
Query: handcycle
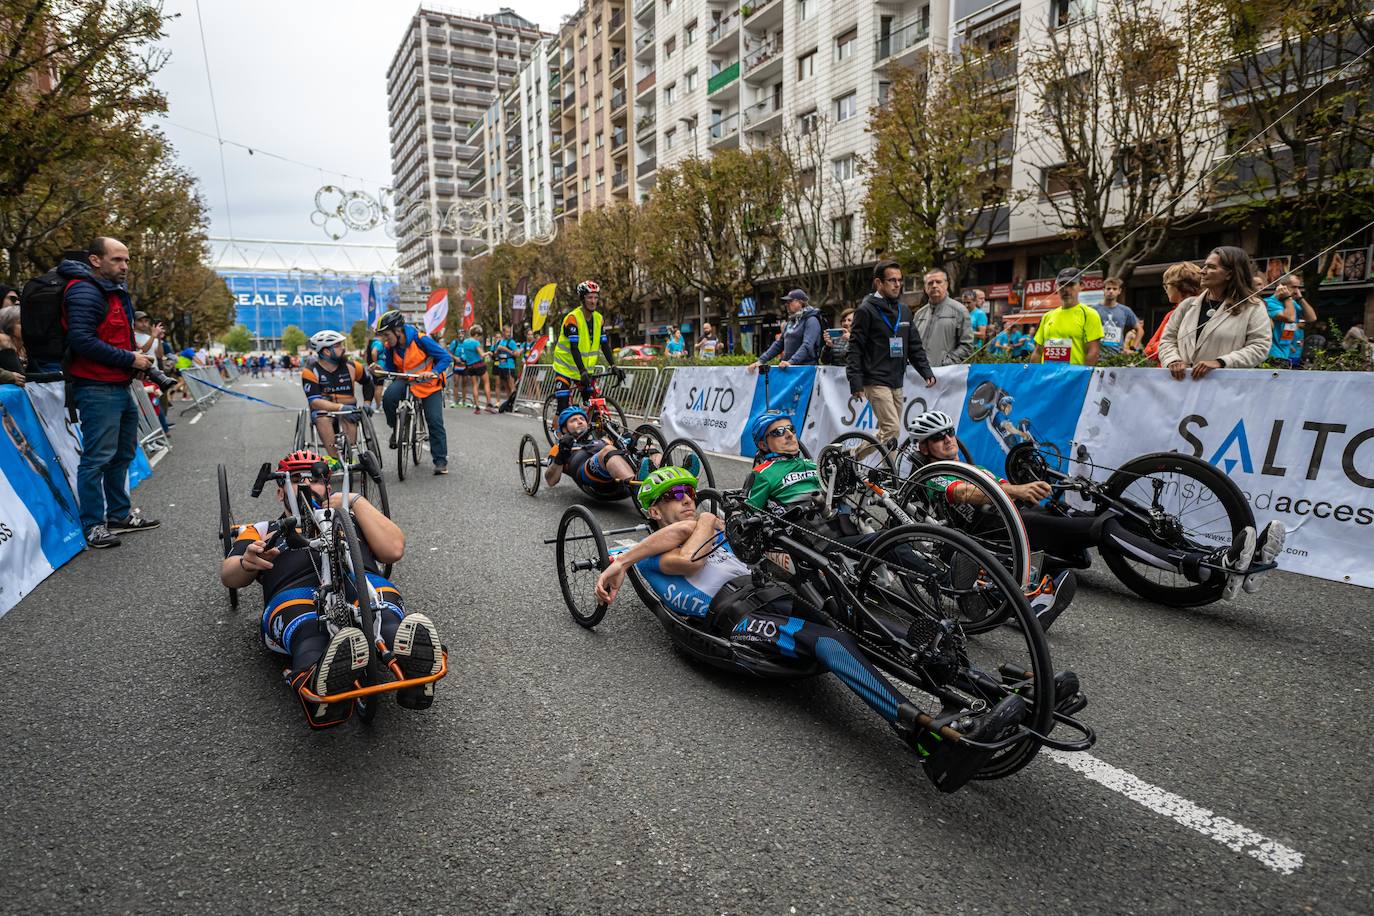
x=345, y=596
x=578, y=397
x=898, y=598
x=361, y=464
x=412, y=433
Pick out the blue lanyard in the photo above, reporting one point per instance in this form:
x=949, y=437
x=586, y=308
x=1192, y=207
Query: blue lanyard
x=887, y=321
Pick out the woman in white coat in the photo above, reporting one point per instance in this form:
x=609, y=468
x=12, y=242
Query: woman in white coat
x=1226, y=327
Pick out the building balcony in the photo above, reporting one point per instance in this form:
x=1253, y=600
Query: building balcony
x=617, y=62
x=472, y=97
x=444, y=170
x=762, y=16
x=441, y=112
x=646, y=82
x=644, y=127
x=442, y=131
x=619, y=137
x=465, y=152
x=645, y=42
x=722, y=32
x=617, y=101
x=763, y=62
x=644, y=9
x=569, y=99
x=722, y=79
x=467, y=40
x=439, y=93
x=897, y=45
x=619, y=179
x=617, y=25
x=647, y=167
x=725, y=132
x=459, y=59
x=512, y=147
x=435, y=34
x=507, y=47
x=763, y=114
x=507, y=65
x=470, y=78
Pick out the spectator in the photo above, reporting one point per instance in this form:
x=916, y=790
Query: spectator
x=708, y=347
x=675, y=348
x=881, y=344
x=1013, y=341
x=1118, y=321
x=11, y=344
x=1283, y=315
x=506, y=351
x=1223, y=328
x=978, y=317
x=800, y=340
x=103, y=361
x=1071, y=332
x=1355, y=339
x=472, y=360
x=1181, y=281
x=1305, y=313
x=8, y=296
x=945, y=326
x=835, y=343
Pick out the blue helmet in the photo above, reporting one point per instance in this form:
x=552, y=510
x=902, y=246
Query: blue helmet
x=567, y=414
x=758, y=427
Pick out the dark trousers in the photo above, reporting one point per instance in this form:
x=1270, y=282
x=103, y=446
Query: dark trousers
x=433, y=407
x=109, y=436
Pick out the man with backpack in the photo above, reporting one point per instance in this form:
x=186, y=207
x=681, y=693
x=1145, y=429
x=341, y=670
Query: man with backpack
x=98, y=315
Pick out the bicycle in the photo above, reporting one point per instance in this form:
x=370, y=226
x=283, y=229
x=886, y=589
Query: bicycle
x=411, y=430
x=553, y=406
x=365, y=463
x=345, y=596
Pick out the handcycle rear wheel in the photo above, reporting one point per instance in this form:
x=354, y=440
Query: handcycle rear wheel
x=226, y=525
x=581, y=555
x=925, y=574
x=402, y=439
x=367, y=617
x=679, y=449
x=1210, y=519
x=527, y=460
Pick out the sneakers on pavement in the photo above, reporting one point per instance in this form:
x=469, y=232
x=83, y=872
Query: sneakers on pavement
x=951, y=764
x=440, y=467
x=99, y=537
x=344, y=661
x=1053, y=596
x=418, y=653
x=1267, y=547
x=1237, y=560
x=135, y=522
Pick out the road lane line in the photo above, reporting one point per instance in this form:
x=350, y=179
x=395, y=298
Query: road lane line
x=196, y=418
x=1271, y=853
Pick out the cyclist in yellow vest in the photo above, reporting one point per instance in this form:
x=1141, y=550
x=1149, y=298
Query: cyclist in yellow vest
x=580, y=338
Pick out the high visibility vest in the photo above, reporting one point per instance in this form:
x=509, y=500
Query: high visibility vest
x=588, y=343
x=416, y=361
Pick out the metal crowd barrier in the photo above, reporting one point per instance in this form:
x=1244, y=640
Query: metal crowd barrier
x=641, y=396
x=202, y=395
x=150, y=432
x=231, y=371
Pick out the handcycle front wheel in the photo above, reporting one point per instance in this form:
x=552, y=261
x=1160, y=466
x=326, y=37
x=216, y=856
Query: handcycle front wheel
x=1202, y=510
x=226, y=525
x=528, y=461
x=366, y=614
x=680, y=450
x=581, y=555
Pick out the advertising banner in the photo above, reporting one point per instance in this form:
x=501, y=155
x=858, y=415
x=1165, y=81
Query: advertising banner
x=1299, y=444
x=833, y=412
x=787, y=390
x=710, y=406
x=266, y=301
x=1016, y=402
x=543, y=301
x=49, y=402
x=39, y=524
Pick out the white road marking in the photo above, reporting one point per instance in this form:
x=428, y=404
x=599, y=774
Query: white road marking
x=1271, y=853
x=196, y=418
x=157, y=456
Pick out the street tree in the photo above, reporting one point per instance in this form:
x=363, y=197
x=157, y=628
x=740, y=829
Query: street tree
x=605, y=248
x=1124, y=126
x=292, y=338
x=359, y=334
x=238, y=339
x=939, y=188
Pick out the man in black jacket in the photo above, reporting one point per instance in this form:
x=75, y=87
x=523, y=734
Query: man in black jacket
x=882, y=342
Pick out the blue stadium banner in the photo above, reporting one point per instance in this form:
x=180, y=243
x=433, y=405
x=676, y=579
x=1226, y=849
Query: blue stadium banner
x=268, y=301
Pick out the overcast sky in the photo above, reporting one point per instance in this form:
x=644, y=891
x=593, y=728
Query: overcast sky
x=305, y=79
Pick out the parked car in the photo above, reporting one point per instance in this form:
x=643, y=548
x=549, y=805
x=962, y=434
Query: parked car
x=639, y=353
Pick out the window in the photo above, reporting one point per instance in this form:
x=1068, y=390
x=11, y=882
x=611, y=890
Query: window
x=600, y=141
x=670, y=94
x=843, y=168
x=586, y=112
x=842, y=228
x=846, y=43
x=1054, y=180
x=806, y=66
x=582, y=77
x=1067, y=12
x=846, y=106
x=599, y=101
x=586, y=185
x=600, y=179
x=669, y=138
x=807, y=179
x=691, y=79
x=582, y=40
x=669, y=47
x=689, y=34
x=667, y=6
x=884, y=90
x=807, y=123
x=804, y=9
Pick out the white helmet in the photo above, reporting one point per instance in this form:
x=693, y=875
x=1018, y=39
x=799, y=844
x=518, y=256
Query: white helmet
x=930, y=423
x=326, y=338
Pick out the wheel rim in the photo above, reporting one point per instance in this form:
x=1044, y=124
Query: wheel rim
x=581, y=554
x=528, y=458
x=995, y=526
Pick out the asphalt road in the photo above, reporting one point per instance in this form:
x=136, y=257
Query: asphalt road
x=151, y=759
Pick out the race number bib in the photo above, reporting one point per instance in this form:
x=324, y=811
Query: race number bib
x=1111, y=333
x=1288, y=331
x=1059, y=350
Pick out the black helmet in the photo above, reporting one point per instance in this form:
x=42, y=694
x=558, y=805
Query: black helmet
x=391, y=320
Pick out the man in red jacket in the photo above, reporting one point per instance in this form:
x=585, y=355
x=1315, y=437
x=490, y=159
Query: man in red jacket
x=103, y=359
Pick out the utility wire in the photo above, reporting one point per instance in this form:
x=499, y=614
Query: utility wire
x=214, y=111
x=259, y=151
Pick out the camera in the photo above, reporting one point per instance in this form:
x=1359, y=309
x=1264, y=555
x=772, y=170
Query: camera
x=159, y=378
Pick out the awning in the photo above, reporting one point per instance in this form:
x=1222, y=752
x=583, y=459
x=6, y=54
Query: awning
x=1024, y=318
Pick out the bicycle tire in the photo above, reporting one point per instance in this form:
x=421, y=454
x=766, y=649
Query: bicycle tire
x=417, y=423
x=566, y=583
x=850, y=441
x=651, y=432
x=370, y=438
x=678, y=447
x=527, y=462
x=367, y=619
x=226, y=525
x=1227, y=495
x=402, y=435
x=548, y=418
x=1036, y=659
x=300, y=436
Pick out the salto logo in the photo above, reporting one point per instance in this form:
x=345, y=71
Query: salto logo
x=1235, y=448
x=856, y=418
x=718, y=399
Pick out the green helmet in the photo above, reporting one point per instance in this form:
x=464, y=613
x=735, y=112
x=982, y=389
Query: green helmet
x=662, y=480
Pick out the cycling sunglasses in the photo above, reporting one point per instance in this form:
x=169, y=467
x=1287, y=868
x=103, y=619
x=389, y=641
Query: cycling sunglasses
x=942, y=434
x=680, y=492
x=781, y=431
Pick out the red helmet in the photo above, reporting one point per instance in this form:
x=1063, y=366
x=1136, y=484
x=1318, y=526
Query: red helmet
x=586, y=287
x=302, y=460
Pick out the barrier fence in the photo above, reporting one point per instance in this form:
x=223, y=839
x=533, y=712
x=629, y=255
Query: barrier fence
x=640, y=396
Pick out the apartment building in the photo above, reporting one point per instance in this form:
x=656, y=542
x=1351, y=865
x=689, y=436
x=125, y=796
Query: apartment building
x=448, y=68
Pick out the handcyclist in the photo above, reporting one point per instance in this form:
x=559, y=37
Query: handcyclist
x=579, y=340
x=715, y=590
x=414, y=352
x=1066, y=538
x=787, y=483
x=291, y=625
x=329, y=387
x=599, y=466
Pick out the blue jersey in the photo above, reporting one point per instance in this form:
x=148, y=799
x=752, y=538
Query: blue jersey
x=469, y=351
x=690, y=596
x=507, y=362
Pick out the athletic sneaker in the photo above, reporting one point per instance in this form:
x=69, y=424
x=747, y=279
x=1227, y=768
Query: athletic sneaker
x=418, y=653
x=343, y=663
x=1237, y=560
x=1053, y=596
x=440, y=468
x=391, y=443
x=1269, y=546
x=950, y=764
x=135, y=522
x=491, y=408
x=99, y=537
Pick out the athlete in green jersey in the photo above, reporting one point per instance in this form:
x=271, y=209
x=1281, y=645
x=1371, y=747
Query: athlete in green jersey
x=782, y=477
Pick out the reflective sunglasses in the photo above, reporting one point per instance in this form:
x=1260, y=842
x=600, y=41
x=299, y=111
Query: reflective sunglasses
x=679, y=492
x=942, y=434
x=781, y=431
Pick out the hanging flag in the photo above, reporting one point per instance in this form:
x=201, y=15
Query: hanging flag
x=543, y=301
x=374, y=304
x=517, y=307
x=469, y=313
x=436, y=311
x=536, y=350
